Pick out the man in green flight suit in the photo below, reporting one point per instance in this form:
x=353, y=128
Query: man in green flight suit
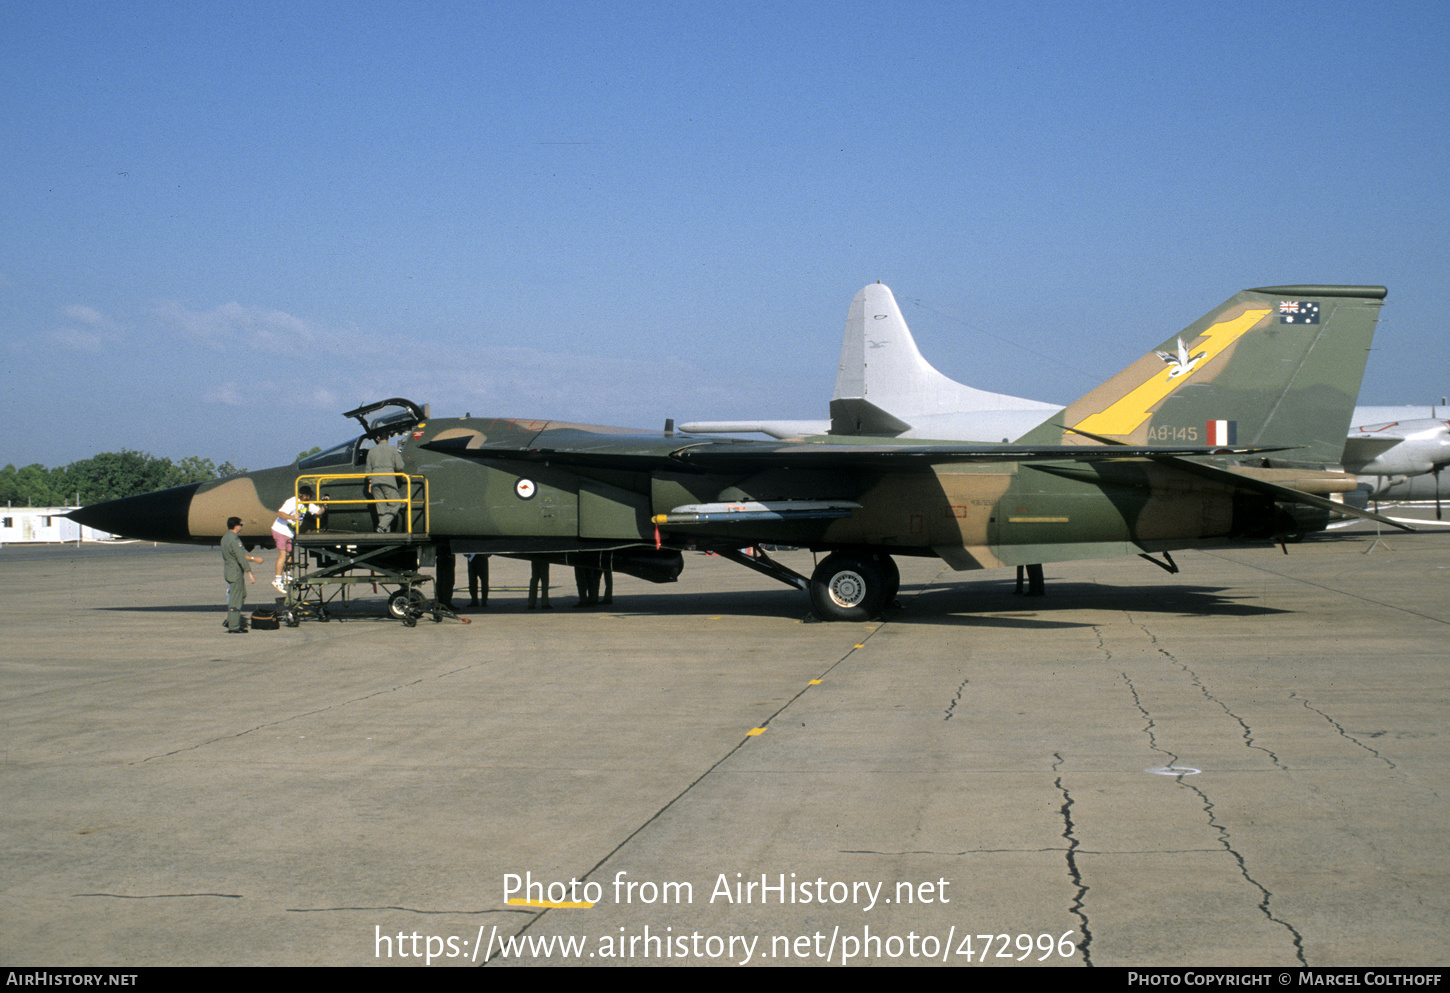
x=234, y=564
x=383, y=461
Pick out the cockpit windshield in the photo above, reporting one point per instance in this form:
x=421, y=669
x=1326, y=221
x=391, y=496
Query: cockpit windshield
x=343, y=454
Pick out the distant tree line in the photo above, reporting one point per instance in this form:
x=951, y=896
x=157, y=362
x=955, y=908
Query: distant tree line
x=107, y=476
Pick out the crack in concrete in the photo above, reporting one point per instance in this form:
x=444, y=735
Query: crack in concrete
x=161, y=896
x=1034, y=851
x=411, y=910
x=1266, y=896
x=1248, y=733
x=956, y=699
x=1293, y=695
x=1078, y=908
x=1149, y=725
x=1224, y=837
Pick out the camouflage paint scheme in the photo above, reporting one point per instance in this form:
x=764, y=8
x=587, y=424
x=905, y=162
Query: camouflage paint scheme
x=1138, y=465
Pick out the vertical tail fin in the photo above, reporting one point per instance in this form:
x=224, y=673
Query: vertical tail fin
x=1277, y=365
x=885, y=387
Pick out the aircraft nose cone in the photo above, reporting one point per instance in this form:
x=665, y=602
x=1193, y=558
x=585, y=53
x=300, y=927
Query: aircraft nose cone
x=159, y=516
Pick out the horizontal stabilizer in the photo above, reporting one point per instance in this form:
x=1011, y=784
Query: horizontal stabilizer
x=1286, y=494
x=1358, y=450
x=862, y=417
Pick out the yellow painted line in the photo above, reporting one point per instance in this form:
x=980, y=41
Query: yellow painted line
x=858, y=646
x=1124, y=416
x=560, y=905
x=1032, y=520
x=815, y=682
x=754, y=731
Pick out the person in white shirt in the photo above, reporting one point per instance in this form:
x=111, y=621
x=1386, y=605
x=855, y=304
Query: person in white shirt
x=282, y=533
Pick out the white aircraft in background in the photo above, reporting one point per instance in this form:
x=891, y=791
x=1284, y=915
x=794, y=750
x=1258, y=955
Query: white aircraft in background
x=885, y=387
x=1398, y=453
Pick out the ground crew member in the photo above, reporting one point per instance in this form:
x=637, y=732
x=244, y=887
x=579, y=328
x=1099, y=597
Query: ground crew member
x=444, y=577
x=234, y=564
x=288, y=516
x=383, y=462
x=586, y=580
x=539, y=583
x=477, y=581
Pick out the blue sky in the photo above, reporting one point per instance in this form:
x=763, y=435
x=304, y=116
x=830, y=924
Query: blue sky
x=224, y=224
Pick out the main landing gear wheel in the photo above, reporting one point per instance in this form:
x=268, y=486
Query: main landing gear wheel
x=848, y=587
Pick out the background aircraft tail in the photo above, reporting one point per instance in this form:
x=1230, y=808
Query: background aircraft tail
x=1273, y=366
x=885, y=388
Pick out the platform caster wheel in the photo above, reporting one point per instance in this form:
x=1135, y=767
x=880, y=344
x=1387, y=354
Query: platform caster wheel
x=397, y=604
x=405, y=602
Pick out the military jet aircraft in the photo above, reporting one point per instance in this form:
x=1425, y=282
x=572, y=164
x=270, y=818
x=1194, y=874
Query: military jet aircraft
x=1148, y=462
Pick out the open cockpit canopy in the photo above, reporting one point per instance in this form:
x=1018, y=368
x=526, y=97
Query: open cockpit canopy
x=405, y=417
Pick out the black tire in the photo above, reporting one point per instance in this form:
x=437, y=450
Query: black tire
x=406, y=603
x=848, y=587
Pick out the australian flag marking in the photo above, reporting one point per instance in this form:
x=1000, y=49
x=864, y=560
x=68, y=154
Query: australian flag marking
x=1298, y=312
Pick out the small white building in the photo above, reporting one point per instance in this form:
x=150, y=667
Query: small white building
x=40, y=525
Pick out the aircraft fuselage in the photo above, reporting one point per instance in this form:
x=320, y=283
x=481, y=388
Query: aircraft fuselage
x=545, y=496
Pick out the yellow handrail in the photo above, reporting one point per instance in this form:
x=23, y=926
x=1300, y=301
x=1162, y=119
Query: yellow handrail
x=317, y=480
